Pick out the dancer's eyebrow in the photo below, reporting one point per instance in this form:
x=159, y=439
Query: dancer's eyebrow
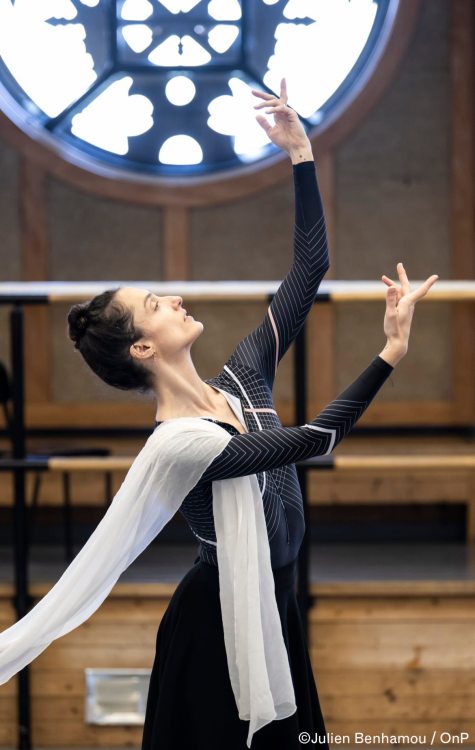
x=146, y=299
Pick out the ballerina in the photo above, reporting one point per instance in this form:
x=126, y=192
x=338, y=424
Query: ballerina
x=231, y=666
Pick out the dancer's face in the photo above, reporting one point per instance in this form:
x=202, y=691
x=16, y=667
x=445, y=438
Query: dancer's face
x=167, y=328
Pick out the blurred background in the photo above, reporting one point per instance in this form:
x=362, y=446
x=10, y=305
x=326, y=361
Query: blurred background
x=129, y=152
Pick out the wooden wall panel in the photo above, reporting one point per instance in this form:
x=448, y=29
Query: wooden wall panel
x=94, y=239
x=392, y=204
x=393, y=172
x=176, y=243
x=423, y=375
x=248, y=239
x=463, y=200
x=10, y=235
x=35, y=267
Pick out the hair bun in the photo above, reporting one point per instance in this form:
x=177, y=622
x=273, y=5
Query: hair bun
x=78, y=321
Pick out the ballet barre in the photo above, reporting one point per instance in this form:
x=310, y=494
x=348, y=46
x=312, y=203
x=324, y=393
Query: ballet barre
x=351, y=463
x=50, y=292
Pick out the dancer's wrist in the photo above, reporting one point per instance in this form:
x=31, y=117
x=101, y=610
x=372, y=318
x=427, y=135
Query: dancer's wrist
x=302, y=152
x=393, y=352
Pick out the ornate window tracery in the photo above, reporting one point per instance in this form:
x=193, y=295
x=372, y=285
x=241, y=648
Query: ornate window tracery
x=164, y=86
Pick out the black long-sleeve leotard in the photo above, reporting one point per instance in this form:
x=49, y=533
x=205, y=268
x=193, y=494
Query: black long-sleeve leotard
x=268, y=449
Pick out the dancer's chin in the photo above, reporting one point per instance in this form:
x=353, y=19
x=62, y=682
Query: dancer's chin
x=198, y=326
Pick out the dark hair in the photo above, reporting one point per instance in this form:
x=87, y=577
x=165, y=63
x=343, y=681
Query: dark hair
x=103, y=331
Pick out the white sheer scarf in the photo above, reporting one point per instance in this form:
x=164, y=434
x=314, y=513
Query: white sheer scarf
x=169, y=465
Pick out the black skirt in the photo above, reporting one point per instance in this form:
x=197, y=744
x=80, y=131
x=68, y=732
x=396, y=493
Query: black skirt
x=190, y=701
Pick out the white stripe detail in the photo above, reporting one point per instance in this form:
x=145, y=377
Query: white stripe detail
x=241, y=388
x=208, y=541
x=324, y=429
x=276, y=334
x=267, y=411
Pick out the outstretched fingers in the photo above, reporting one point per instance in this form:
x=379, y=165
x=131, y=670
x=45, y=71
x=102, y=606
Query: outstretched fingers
x=401, y=271
x=422, y=290
x=283, y=91
x=272, y=102
x=404, y=290
x=275, y=108
x=271, y=99
x=392, y=285
x=261, y=94
x=265, y=124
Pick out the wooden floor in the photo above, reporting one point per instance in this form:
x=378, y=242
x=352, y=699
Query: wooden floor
x=391, y=640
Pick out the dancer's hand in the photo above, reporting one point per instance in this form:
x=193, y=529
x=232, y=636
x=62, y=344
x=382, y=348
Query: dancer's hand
x=287, y=132
x=400, y=304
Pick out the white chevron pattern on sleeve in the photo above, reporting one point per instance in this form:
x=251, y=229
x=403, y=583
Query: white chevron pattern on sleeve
x=264, y=347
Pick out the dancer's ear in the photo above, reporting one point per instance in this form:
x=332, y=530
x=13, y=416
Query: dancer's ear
x=142, y=349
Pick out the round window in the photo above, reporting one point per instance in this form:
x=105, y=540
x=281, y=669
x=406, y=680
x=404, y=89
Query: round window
x=164, y=86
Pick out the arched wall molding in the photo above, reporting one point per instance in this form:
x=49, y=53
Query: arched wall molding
x=227, y=186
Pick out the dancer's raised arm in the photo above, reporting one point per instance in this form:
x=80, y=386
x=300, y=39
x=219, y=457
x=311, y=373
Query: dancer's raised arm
x=264, y=347
x=266, y=449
